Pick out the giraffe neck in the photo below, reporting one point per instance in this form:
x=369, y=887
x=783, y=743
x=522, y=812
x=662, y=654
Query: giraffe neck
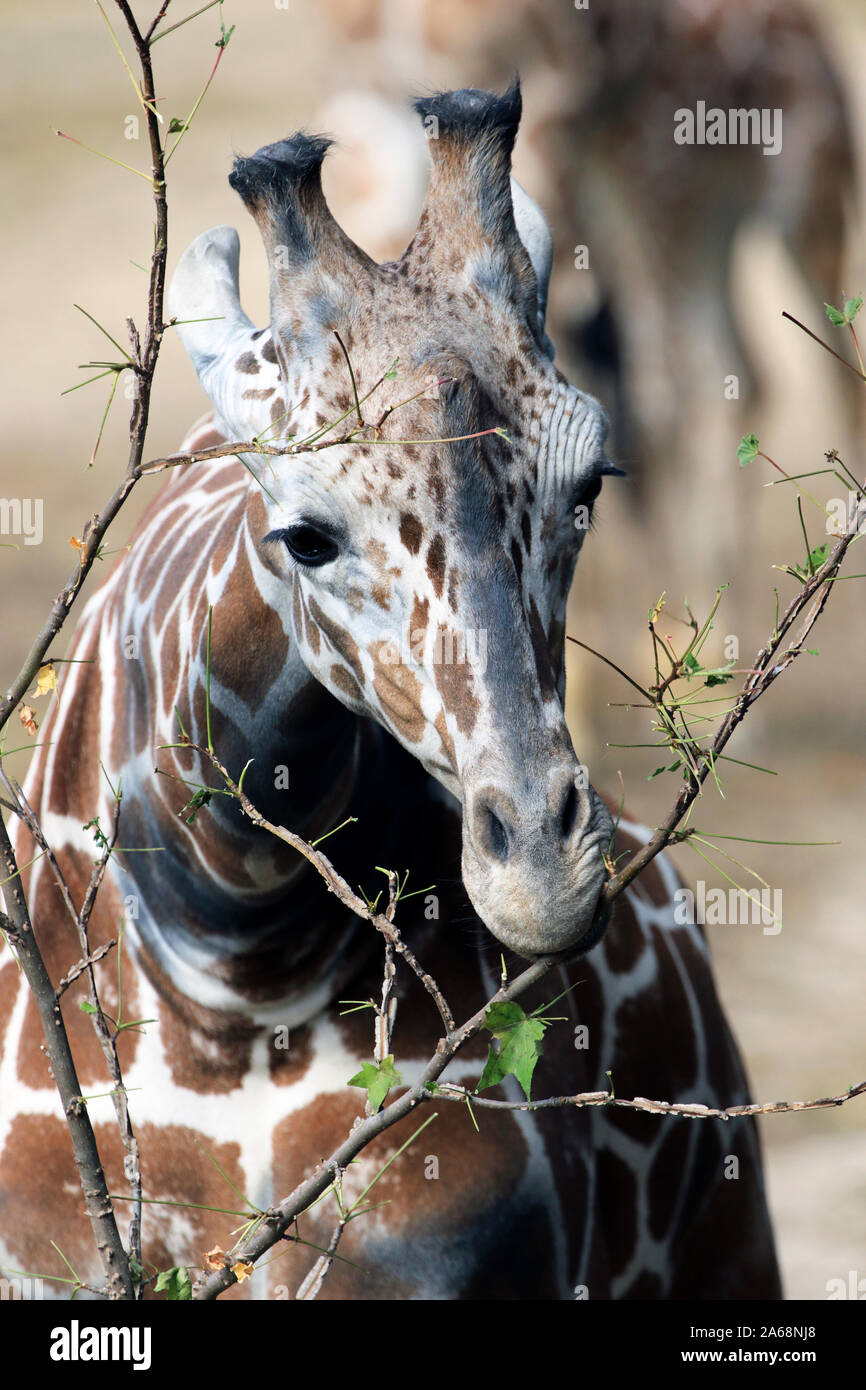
x=240, y=920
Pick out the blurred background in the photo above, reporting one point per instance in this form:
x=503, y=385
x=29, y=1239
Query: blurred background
x=673, y=266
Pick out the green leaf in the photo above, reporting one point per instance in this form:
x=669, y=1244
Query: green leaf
x=719, y=674
x=175, y=125
x=98, y=833
x=748, y=449
x=87, y=1008
x=669, y=767
x=519, y=1041
x=203, y=797
x=691, y=664
x=849, y=311
x=377, y=1080
x=175, y=1284
x=816, y=560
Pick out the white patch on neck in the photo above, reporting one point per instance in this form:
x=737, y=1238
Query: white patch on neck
x=191, y=974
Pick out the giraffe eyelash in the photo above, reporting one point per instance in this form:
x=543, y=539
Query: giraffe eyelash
x=310, y=544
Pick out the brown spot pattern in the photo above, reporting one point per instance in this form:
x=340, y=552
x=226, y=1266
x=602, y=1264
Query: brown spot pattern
x=436, y=564
x=455, y=681
x=411, y=532
x=341, y=640
x=399, y=694
x=441, y=728
x=345, y=681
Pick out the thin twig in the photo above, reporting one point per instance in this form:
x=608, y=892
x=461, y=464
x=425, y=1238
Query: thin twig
x=79, y=968
x=309, y=1288
x=352, y=378
x=767, y=666
x=689, y=1109
x=288, y=450
x=335, y=882
x=826, y=346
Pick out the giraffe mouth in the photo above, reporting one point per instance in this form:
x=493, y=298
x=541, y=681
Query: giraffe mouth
x=537, y=882
x=591, y=937
x=580, y=947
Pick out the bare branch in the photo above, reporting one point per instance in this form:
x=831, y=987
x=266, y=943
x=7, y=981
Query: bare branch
x=94, y=530
x=312, y=1187
x=767, y=666
x=119, y=1283
x=107, y=1038
x=689, y=1109
x=79, y=968
x=335, y=882
x=309, y=1287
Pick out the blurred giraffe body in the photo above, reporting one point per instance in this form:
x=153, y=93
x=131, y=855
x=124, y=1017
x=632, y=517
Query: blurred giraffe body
x=461, y=771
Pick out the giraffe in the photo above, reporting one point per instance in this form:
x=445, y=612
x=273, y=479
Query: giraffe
x=461, y=771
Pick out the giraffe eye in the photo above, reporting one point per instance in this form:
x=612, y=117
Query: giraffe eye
x=308, y=545
x=590, y=492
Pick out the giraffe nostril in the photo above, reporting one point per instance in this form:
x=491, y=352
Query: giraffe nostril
x=497, y=838
x=568, y=815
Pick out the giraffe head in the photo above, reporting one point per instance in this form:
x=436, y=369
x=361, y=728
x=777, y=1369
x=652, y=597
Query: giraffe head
x=423, y=564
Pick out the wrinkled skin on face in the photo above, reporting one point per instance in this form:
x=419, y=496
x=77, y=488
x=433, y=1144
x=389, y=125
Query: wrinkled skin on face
x=426, y=560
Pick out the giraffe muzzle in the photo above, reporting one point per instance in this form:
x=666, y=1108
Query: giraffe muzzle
x=533, y=859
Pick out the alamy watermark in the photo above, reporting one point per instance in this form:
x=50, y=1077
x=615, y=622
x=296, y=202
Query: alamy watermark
x=22, y=516
x=734, y=907
x=736, y=126
x=77, y=1343
x=20, y=1287
x=854, y=1287
x=434, y=647
x=846, y=517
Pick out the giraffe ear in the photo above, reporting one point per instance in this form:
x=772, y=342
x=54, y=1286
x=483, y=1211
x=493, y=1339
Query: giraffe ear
x=537, y=238
x=228, y=355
